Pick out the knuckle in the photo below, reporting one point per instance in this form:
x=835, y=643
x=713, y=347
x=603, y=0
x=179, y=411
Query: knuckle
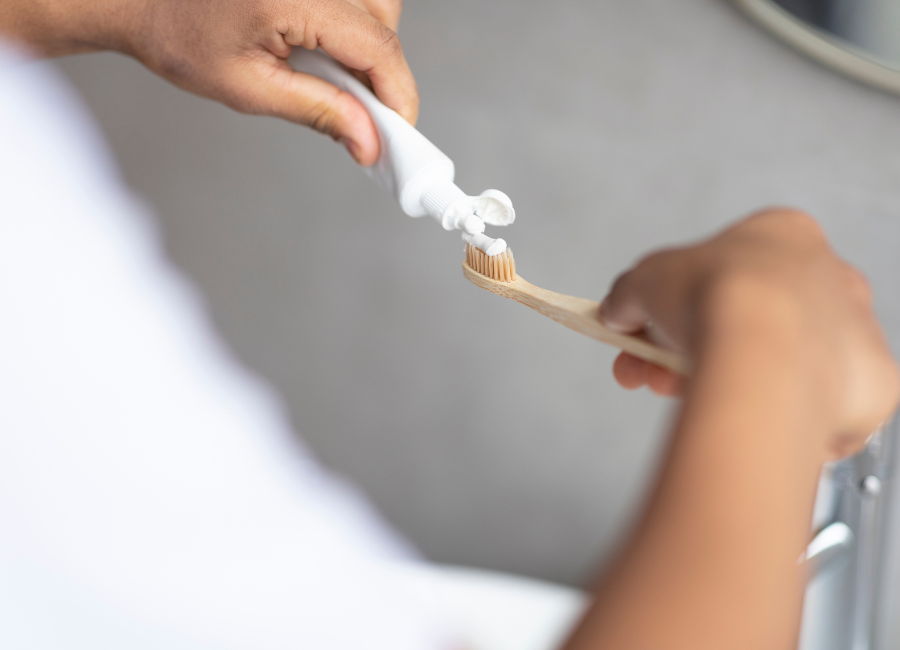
x=791, y=218
x=249, y=99
x=388, y=43
x=805, y=226
x=320, y=117
x=662, y=261
x=248, y=104
x=801, y=217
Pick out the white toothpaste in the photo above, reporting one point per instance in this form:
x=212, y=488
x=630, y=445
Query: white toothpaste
x=418, y=174
x=485, y=243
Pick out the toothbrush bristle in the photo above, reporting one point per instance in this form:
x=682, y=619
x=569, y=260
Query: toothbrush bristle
x=501, y=268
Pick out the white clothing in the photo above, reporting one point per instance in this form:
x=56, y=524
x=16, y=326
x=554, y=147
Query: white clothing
x=151, y=491
x=152, y=494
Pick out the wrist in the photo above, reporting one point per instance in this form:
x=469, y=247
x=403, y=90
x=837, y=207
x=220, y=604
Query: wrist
x=61, y=27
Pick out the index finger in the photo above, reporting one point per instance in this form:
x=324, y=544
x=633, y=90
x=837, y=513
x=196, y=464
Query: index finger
x=361, y=42
x=632, y=372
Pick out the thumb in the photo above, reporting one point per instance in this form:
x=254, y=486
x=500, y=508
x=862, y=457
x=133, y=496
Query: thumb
x=280, y=91
x=623, y=309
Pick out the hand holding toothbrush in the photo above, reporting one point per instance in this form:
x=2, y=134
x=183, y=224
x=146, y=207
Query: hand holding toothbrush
x=771, y=276
x=789, y=369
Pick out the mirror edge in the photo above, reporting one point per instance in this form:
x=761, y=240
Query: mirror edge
x=821, y=46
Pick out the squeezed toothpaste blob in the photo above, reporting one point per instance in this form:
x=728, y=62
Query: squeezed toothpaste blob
x=488, y=245
x=472, y=224
x=470, y=213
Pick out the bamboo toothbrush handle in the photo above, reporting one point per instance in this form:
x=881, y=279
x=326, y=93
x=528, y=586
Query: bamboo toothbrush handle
x=579, y=314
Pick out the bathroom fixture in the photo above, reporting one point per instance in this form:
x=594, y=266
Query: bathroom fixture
x=850, y=600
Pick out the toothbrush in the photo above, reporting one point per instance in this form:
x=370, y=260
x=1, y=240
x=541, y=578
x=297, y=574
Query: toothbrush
x=497, y=274
x=420, y=177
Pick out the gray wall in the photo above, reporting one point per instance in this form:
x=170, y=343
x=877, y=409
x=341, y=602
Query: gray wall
x=489, y=435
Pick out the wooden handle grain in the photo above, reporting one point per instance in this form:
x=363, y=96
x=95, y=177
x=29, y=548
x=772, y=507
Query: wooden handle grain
x=579, y=314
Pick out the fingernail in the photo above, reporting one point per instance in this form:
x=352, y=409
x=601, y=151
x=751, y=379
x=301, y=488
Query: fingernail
x=352, y=148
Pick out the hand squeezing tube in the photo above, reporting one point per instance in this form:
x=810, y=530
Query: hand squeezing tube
x=410, y=168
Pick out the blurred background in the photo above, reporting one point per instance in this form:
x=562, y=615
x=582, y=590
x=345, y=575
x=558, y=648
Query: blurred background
x=487, y=434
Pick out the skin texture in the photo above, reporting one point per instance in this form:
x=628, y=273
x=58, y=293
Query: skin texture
x=791, y=369
x=235, y=51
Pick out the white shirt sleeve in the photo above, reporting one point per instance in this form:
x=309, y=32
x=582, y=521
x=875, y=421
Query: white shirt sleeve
x=152, y=494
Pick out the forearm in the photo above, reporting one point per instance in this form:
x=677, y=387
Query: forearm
x=60, y=27
x=713, y=564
